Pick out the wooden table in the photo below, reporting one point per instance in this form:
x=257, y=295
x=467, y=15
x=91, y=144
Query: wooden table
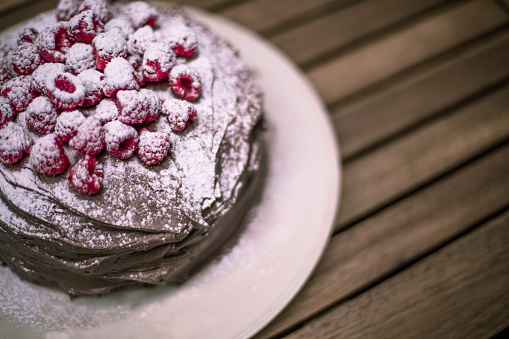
x=418, y=92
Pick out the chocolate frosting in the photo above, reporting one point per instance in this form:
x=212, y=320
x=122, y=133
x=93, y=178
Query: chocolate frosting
x=149, y=224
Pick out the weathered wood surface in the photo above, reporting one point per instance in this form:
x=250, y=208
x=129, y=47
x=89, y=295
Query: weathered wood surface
x=418, y=93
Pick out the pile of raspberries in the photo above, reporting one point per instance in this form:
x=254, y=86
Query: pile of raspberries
x=89, y=59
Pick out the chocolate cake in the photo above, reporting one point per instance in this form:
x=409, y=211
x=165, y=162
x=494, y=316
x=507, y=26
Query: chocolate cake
x=130, y=145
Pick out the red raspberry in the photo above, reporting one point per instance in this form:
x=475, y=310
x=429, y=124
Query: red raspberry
x=158, y=60
x=179, y=113
x=92, y=80
x=90, y=137
x=153, y=146
x=86, y=175
x=106, y=111
x=140, y=39
x=67, y=124
x=119, y=75
x=182, y=40
x=108, y=46
x=132, y=107
x=41, y=115
x=120, y=26
x=53, y=42
x=80, y=57
x=83, y=27
x=5, y=75
x=27, y=35
x=135, y=60
x=14, y=141
x=185, y=82
x=20, y=91
x=141, y=13
x=66, y=9
x=101, y=9
x=44, y=72
x=153, y=104
x=47, y=156
x=121, y=140
x=66, y=91
x=7, y=113
x=26, y=58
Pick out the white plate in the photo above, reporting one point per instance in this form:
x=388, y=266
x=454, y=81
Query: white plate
x=240, y=293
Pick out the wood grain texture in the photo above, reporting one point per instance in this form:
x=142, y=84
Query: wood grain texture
x=6, y=5
x=339, y=28
x=461, y=291
x=25, y=12
x=362, y=255
x=424, y=39
x=407, y=102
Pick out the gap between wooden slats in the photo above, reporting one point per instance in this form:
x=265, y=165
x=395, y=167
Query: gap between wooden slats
x=458, y=292
x=399, y=235
x=427, y=38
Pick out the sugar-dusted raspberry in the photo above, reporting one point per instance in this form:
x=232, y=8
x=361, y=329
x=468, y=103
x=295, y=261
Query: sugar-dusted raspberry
x=66, y=91
x=121, y=140
x=44, y=72
x=185, y=82
x=158, y=60
x=119, y=75
x=92, y=80
x=90, y=137
x=86, y=175
x=119, y=25
x=141, y=13
x=20, y=91
x=153, y=104
x=5, y=75
x=66, y=9
x=41, y=115
x=132, y=107
x=47, y=156
x=14, y=141
x=108, y=46
x=101, y=9
x=179, y=113
x=140, y=39
x=7, y=113
x=135, y=60
x=67, y=124
x=26, y=58
x=183, y=41
x=28, y=34
x=83, y=27
x=153, y=146
x=53, y=42
x=106, y=111
x=80, y=57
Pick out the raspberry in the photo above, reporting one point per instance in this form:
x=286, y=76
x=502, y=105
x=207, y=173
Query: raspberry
x=101, y=9
x=83, y=27
x=41, y=115
x=185, y=82
x=106, y=111
x=140, y=39
x=121, y=140
x=67, y=124
x=134, y=60
x=66, y=91
x=119, y=75
x=26, y=58
x=141, y=13
x=90, y=137
x=45, y=71
x=53, y=42
x=80, y=57
x=7, y=113
x=132, y=107
x=14, y=141
x=182, y=40
x=153, y=146
x=66, y=9
x=92, y=80
x=158, y=60
x=120, y=26
x=153, y=104
x=178, y=113
x=5, y=75
x=20, y=91
x=86, y=175
x=108, y=46
x=48, y=156
x=27, y=35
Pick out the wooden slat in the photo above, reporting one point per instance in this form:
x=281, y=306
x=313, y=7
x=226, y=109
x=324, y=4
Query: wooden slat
x=26, y=12
x=461, y=291
x=398, y=235
x=424, y=39
x=5, y=5
x=403, y=104
x=204, y=4
x=333, y=31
